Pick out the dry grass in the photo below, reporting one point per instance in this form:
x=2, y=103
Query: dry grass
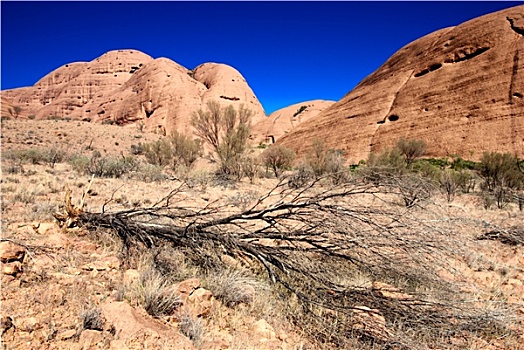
x=484, y=270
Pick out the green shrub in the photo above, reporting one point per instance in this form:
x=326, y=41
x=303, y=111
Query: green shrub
x=428, y=169
x=500, y=170
x=449, y=183
x=461, y=164
x=250, y=168
x=103, y=166
x=158, y=152
x=226, y=130
x=185, y=150
x=137, y=149
x=278, y=158
x=382, y=166
x=54, y=155
x=411, y=149
x=324, y=161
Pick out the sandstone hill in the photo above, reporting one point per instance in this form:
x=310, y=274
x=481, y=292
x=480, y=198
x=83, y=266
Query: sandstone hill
x=126, y=86
x=286, y=119
x=460, y=89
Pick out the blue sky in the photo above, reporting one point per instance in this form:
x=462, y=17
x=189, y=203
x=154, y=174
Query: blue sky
x=288, y=52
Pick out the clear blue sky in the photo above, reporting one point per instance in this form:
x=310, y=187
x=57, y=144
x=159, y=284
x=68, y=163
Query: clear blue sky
x=288, y=52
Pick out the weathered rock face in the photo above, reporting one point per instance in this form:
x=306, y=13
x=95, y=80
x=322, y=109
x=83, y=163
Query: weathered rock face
x=460, y=89
x=128, y=86
x=285, y=120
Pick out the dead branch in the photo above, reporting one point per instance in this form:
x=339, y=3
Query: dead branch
x=512, y=236
x=313, y=241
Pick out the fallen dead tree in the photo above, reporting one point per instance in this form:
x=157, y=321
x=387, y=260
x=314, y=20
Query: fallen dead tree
x=511, y=236
x=312, y=243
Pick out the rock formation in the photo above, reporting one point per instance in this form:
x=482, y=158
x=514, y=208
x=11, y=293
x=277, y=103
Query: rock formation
x=286, y=119
x=126, y=86
x=460, y=89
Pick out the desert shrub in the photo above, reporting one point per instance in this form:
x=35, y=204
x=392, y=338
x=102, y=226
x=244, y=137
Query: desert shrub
x=243, y=199
x=449, y=183
x=197, y=179
x=461, y=164
x=411, y=149
x=158, y=152
x=500, y=170
x=191, y=327
x=466, y=180
x=137, y=149
x=79, y=163
x=501, y=177
x=91, y=318
x=54, y=155
x=384, y=165
x=250, y=168
x=233, y=287
x=413, y=188
x=151, y=173
x=427, y=169
x=25, y=196
x=111, y=166
x=278, y=158
x=324, y=161
x=226, y=131
x=301, y=177
x=103, y=166
x=185, y=150
x=32, y=155
x=156, y=294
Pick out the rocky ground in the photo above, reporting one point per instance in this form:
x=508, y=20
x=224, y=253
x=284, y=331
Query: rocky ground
x=71, y=289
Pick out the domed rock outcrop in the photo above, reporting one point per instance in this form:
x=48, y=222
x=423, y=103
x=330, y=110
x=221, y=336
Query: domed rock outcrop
x=286, y=119
x=126, y=86
x=460, y=89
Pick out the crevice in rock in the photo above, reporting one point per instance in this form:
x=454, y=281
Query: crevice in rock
x=383, y=121
x=431, y=68
x=466, y=53
x=516, y=24
x=229, y=98
x=149, y=113
x=514, y=72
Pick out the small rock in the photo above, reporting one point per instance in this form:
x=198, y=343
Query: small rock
x=10, y=252
x=371, y=321
x=264, y=330
x=6, y=323
x=131, y=277
x=388, y=291
x=200, y=302
x=27, y=324
x=90, y=338
x=216, y=344
x=185, y=288
x=97, y=265
x=43, y=227
x=12, y=269
x=229, y=261
x=68, y=334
